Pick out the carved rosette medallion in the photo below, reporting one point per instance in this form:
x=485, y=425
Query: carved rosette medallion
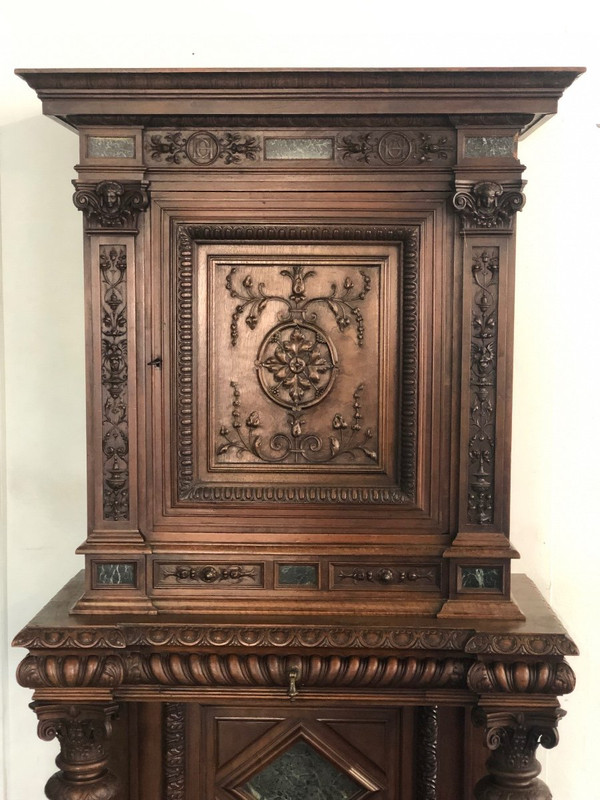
x=115, y=422
x=483, y=376
x=488, y=205
x=296, y=365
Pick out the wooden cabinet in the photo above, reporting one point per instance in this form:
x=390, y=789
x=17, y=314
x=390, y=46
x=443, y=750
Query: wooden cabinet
x=299, y=339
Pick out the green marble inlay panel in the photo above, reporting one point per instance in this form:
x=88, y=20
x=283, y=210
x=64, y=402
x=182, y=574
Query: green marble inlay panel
x=115, y=574
x=291, y=149
x=298, y=575
x=481, y=578
x=301, y=773
x=111, y=147
x=489, y=146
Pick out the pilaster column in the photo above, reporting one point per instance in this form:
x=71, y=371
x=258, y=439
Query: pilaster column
x=513, y=738
x=82, y=731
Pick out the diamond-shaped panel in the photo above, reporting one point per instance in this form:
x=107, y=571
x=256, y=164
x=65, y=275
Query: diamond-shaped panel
x=300, y=773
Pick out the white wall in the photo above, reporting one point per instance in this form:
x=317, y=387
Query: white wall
x=555, y=474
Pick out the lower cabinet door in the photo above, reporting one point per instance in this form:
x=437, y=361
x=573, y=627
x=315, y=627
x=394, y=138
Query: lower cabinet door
x=185, y=751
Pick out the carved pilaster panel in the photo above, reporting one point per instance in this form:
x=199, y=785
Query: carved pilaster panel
x=111, y=205
x=83, y=731
x=114, y=381
x=174, y=751
x=427, y=752
x=482, y=384
x=513, y=738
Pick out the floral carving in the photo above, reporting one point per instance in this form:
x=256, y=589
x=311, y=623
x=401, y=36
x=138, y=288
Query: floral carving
x=488, y=205
x=427, y=149
x=203, y=148
x=341, y=302
x=174, y=750
x=115, y=423
x=482, y=420
x=297, y=447
x=170, y=145
x=300, y=364
x=361, y=148
x=233, y=148
x=427, y=752
x=210, y=574
x=387, y=575
x=110, y=204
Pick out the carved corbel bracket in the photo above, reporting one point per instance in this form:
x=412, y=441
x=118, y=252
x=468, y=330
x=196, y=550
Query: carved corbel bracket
x=521, y=677
x=487, y=205
x=111, y=205
x=83, y=731
x=513, y=737
x=76, y=671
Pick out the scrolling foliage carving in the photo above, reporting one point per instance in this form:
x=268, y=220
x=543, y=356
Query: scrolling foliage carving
x=115, y=423
x=427, y=755
x=482, y=421
x=174, y=750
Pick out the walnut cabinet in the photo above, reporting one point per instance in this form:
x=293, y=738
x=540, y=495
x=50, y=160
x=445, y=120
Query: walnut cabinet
x=299, y=290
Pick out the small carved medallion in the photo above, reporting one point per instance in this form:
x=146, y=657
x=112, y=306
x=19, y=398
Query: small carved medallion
x=394, y=148
x=202, y=148
x=296, y=365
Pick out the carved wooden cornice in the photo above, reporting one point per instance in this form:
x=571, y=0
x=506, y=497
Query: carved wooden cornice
x=323, y=637
x=111, y=205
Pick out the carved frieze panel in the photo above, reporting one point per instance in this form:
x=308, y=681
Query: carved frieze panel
x=114, y=382
x=284, y=360
x=347, y=149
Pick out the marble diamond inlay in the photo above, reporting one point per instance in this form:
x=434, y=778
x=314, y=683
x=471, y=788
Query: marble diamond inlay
x=301, y=773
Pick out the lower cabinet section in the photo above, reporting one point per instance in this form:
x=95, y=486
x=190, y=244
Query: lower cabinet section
x=185, y=751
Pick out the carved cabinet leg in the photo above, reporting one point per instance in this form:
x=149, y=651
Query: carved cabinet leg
x=83, y=731
x=513, y=737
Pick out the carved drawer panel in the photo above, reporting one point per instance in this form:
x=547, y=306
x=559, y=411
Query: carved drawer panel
x=208, y=575
x=384, y=575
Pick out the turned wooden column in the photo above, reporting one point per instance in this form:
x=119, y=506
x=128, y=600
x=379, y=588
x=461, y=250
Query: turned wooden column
x=513, y=737
x=83, y=731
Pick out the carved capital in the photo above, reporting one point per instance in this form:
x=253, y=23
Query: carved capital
x=111, y=205
x=82, y=731
x=486, y=205
x=541, y=676
x=36, y=672
x=513, y=737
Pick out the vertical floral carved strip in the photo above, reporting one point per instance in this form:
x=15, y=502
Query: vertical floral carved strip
x=115, y=422
x=483, y=377
x=427, y=757
x=184, y=289
x=174, y=751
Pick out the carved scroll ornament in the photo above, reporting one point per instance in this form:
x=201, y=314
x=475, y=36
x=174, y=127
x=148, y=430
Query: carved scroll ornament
x=488, y=205
x=111, y=205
